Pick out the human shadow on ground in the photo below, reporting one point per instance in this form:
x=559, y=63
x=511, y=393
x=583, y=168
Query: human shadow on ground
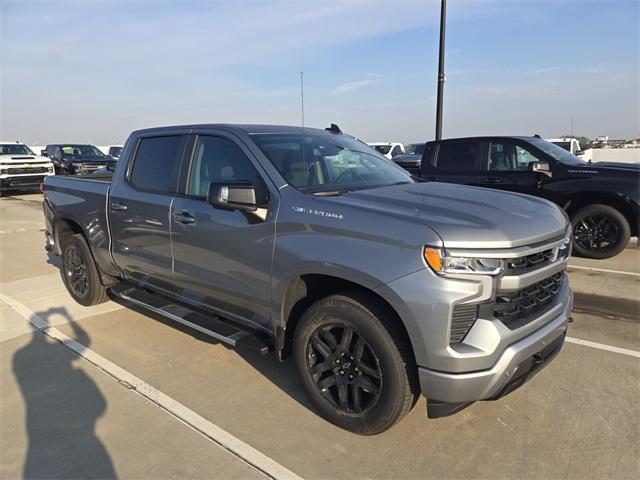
x=63, y=405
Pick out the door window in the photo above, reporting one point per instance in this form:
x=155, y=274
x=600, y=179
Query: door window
x=219, y=160
x=458, y=156
x=507, y=157
x=156, y=164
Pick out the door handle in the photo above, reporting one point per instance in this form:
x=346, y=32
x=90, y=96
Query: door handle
x=491, y=180
x=185, y=218
x=433, y=179
x=118, y=207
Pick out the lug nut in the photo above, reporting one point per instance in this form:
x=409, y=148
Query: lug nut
x=341, y=372
x=337, y=361
x=350, y=377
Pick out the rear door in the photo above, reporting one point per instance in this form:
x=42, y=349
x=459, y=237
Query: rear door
x=455, y=162
x=222, y=258
x=139, y=210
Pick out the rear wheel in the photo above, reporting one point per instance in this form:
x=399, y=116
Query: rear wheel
x=599, y=231
x=80, y=272
x=354, y=364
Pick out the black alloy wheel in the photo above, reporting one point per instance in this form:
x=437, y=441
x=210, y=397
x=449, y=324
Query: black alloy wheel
x=599, y=231
x=75, y=269
x=345, y=368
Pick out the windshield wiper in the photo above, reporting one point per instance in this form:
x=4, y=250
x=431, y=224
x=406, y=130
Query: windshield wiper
x=331, y=193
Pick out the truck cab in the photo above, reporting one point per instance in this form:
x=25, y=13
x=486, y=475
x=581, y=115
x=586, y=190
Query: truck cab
x=601, y=200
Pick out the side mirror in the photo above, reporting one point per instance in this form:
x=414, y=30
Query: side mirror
x=43, y=153
x=57, y=157
x=541, y=167
x=233, y=196
x=111, y=164
x=578, y=153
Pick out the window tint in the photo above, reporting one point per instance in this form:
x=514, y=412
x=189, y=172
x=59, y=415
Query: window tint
x=156, y=163
x=509, y=157
x=219, y=160
x=458, y=156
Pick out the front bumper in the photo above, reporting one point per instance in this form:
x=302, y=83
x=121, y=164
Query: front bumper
x=518, y=363
x=22, y=181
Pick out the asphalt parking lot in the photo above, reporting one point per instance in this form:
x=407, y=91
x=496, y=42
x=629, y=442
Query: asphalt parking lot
x=148, y=399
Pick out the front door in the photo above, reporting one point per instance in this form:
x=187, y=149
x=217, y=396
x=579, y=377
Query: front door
x=456, y=162
x=509, y=167
x=222, y=258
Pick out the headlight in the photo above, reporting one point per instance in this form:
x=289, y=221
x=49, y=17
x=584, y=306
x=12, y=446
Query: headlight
x=442, y=263
x=564, y=250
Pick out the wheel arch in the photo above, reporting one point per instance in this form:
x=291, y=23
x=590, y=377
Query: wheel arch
x=306, y=289
x=621, y=203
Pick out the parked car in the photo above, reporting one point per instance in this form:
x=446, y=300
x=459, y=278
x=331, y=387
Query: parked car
x=75, y=159
x=571, y=145
x=115, y=151
x=389, y=150
x=20, y=167
x=601, y=199
x=411, y=158
x=309, y=243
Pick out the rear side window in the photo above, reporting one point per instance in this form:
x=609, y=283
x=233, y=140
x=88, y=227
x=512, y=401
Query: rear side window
x=156, y=164
x=458, y=156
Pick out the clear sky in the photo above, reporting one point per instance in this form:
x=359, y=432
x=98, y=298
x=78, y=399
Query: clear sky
x=93, y=71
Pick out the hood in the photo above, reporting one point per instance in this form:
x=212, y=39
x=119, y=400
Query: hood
x=619, y=166
x=407, y=158
x=21, y=159
x=466, y=217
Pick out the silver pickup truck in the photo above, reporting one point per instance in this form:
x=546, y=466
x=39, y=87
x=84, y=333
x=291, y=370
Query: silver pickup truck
x=309, y=243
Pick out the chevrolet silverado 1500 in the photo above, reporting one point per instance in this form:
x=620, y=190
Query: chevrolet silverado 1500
x=309, y=243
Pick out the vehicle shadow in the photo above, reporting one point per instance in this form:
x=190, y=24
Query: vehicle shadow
x=282, y=374
x=63, y=405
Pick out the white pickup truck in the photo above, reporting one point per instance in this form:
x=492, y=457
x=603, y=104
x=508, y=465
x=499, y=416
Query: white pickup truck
x=20, y=167
x=569, y=144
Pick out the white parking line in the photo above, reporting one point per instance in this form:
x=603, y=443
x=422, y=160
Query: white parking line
x=604, y=270
x=222, y=438
x=602, y=346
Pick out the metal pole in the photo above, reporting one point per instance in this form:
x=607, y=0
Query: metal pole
x=302, y=94
x=443, y=17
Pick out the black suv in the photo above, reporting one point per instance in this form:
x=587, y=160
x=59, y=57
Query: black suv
x=600, y=198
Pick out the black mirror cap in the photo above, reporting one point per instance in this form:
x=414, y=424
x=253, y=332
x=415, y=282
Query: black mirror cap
x=233, y=196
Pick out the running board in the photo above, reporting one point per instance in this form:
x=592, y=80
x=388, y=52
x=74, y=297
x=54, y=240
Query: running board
x=212, y=326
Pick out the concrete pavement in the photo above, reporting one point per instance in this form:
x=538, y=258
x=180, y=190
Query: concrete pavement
x=579, y=418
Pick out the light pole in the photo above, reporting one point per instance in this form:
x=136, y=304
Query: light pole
x=443, y=16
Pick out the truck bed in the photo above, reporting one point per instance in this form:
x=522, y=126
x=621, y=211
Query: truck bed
x=81, y=201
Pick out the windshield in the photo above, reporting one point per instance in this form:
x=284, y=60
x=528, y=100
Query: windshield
x=558, y=153
x=565, y=145
x=15, y=149
x=383, y=149
x=315, y=163
x=415, y=149
x=81, y=151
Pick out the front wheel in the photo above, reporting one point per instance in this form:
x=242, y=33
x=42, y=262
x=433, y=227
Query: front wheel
x=80, y=273
x=354, y=363
x=599, y=231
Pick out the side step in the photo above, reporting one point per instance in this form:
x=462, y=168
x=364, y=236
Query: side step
x=213, y=326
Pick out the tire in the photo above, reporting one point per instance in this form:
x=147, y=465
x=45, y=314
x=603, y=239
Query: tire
x=374, y=384
x=80, y=272
x=599, y=231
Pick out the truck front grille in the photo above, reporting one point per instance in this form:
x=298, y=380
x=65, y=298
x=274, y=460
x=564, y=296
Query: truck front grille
x=529, y=262
x=515, y=308
x=463, y=318
x=23, y=170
